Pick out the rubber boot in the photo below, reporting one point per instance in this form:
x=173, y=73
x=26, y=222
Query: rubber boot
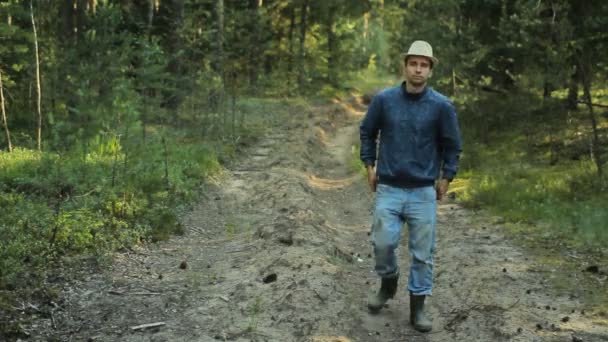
x=388, y=288
x=418, y=317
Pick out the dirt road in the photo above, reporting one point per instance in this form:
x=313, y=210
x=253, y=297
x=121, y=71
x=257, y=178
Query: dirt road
x=278, y=250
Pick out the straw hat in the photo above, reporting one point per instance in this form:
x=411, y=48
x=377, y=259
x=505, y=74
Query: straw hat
x=421, y=48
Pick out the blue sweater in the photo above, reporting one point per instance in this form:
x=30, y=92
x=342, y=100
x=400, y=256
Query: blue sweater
x=419, y=136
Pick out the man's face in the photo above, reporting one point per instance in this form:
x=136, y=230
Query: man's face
x=417, y=70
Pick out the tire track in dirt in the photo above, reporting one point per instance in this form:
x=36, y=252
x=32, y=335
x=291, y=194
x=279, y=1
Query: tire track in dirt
x=278, y=250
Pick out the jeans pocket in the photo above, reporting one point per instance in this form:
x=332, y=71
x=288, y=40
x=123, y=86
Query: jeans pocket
x=426, y=194
x=381, y=187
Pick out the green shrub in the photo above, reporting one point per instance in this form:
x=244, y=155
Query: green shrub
x=105, y=195
x=507, y=160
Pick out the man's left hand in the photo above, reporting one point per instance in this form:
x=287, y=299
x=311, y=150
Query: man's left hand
x=442, y=188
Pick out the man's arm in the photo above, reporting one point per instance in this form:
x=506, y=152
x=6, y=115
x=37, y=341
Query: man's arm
x=368, y=132
x=450, y=145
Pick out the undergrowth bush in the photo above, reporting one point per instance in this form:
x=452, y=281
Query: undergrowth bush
x=512, y=169
x=115, y=190
x=110, y=195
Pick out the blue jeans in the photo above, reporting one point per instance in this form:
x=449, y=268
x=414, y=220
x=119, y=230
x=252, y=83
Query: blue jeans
x=416, y=207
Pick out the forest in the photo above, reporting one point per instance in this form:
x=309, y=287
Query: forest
x=115, y=113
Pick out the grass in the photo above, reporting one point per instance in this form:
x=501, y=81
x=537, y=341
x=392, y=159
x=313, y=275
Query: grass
x=231, y=230
x=515, y=183
x=355, y=161
x=112, y=192
x=565, y=262
x=360, y=83
x=254, y=310
x=532, y=168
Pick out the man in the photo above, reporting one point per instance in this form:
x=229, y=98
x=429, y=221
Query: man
x=418, y=158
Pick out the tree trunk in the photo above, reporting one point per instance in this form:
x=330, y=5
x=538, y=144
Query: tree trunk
x=67, y=13
x=594, y=144
x=219, y=61
x=572, y=100
x=147, y=92
x=219, y=49
x=174, y=45
x=301, y=55
x=331, y=46
x=454, y=85
x=292, y=27
x=378, y=16
x=38, y=87
x=381, y=13
x=546, y=90
x=81, y=19
x=150, y=16
x=255, y=51
x=4, y=119
x=92, y=6
x=366, y=34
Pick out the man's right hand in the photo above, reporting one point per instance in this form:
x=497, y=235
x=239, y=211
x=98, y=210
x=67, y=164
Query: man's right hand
x=372, y=180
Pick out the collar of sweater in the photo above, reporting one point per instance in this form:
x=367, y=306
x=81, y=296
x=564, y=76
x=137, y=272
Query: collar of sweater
x=413, y=96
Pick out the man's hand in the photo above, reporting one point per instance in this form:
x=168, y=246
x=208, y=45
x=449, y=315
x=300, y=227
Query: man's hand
x=372, y=180
x=442, y=188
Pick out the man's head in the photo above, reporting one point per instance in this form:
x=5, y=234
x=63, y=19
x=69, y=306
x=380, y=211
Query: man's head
x=423, y=49
x=418, y=63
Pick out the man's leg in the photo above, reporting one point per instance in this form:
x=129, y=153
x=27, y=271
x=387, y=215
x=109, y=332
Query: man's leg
x=420, y=213
x=386, y=232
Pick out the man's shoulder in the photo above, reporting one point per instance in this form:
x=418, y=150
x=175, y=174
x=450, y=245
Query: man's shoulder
x=441, y=101
x=436, y=96
x=389, y=92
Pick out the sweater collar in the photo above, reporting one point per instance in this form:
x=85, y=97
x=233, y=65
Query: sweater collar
x=413, y=96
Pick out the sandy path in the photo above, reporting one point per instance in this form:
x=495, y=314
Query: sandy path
x=278, y=250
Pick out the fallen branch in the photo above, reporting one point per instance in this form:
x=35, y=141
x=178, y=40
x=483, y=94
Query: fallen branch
x=144, y=293
x=593, y=104
x=118, y=293
x=463, y=314
x=513, y=305
x=86, y=193
x=25, y=307
x=319, y=295
x=148, y=325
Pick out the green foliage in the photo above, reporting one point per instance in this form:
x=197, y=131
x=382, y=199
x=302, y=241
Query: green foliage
x=23, y=228
x=254, y=310
x=114, y=190
x=535, y=195
x=112, y=194
x=369, y=81
x=537, y=171
x=356, y=163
